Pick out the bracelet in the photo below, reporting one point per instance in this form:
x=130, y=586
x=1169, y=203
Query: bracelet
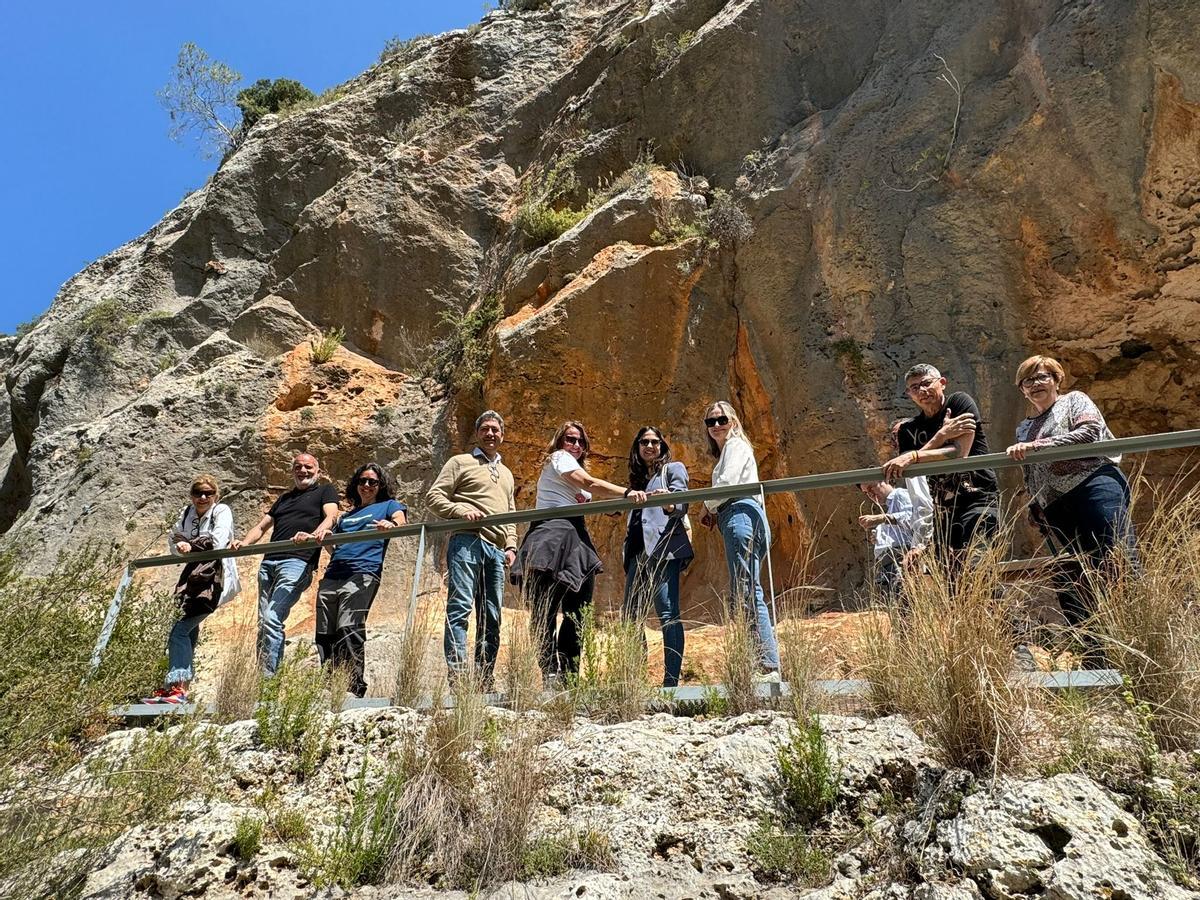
x=627, y=490
x=916, y=456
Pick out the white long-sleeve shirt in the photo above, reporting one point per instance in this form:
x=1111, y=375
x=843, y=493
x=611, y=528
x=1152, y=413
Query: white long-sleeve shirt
x=736, y=465
x=217, y=523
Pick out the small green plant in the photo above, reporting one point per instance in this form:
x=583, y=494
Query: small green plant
x=25, y=327
x=544, y=213
x=556, y=854
x=166, y=361
x=290, y=825
x=325, y=344
x=385, y=415
x=850, y=353
x=524, y=5
x=461, y=358
x=398, y=48
x=612, y=682
x=668, y=50
x=359, y=850
x=808, y=773
x=104, y=325
x=787, y=855
x=291, y=714
x=247, y=838
x=307, y=414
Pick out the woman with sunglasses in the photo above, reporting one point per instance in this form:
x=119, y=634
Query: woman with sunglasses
x=1081, y=506
x=204, y=524
x=351, y=579
x=657, y=545
x=743, y=526
x=557, y=563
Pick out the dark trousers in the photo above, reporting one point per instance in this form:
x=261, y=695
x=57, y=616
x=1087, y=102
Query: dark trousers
x=557, y=643
x=1089, y=521
x=342, y=607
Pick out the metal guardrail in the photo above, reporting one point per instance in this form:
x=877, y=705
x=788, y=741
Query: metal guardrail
x=1137, y=444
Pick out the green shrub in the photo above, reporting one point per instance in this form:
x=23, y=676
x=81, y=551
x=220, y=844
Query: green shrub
x=544, y=213
x=524, y=5
x=850, y=353
x=461, y=358
x=103, y=326
x=787, y=855
x=612, y=682
x=266, y=96
x=325, y=343
x=808, y=773
x=247, y=839
x=25, y=327
x=291, y=714
x=359, y=850
x=400, y=48
x=385, y=415
x=557, y=854
x=668, y=50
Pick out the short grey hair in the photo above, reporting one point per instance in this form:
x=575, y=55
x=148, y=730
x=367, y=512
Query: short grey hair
x=489, y=415
x=921, y=370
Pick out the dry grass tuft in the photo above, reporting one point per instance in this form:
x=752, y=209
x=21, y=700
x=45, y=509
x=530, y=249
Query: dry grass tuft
x=239, y=678
x=947, y=664
x=612, y=683
x=413, y=679
x=1148, y=618
x=739, y=661
x=523, y=676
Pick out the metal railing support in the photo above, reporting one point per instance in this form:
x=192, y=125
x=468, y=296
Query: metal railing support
x=762, y=496
x=416, y=582
x=110, y=621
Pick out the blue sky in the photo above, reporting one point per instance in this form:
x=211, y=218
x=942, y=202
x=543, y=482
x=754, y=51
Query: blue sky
x=86, y=162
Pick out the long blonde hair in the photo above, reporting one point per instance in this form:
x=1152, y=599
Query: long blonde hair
x=735, y=426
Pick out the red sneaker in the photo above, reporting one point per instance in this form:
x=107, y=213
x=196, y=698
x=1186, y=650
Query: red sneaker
x=175, y=695
x=157, y=697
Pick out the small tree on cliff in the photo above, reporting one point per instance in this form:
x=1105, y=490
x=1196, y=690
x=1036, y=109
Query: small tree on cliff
x=201, y=99
x=267, y=96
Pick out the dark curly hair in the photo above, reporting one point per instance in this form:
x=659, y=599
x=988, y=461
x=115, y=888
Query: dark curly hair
x=639, y=473
x=385, y=489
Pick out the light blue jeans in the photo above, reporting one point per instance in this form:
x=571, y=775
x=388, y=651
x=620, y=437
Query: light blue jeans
x=181, y=649
x=280, y=584
x=475, y=578
x=747, y=537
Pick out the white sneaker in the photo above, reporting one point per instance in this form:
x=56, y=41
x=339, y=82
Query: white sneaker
x=770, y=677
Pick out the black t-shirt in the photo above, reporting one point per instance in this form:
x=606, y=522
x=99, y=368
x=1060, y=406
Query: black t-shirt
x=300, y=510
x=964, y=488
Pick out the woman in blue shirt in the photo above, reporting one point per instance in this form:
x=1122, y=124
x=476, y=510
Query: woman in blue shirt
x=351, y=579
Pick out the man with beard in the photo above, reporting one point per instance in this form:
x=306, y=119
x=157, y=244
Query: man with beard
x=307, y=512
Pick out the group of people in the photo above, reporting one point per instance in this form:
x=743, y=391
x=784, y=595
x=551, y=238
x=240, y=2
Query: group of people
x=1081, y=506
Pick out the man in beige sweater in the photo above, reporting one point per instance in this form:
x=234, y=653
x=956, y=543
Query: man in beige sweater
x=471, y=486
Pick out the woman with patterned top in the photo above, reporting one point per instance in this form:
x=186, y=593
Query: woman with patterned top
x=1080, y=505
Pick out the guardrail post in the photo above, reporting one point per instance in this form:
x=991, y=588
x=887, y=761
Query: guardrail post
x=416, y=582
x=110, y=621
x=762, y=496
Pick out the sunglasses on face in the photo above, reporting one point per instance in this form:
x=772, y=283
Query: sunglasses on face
x=368, y=482
x=204, y=493
x=1037, y=378
x=649, y=442
x=717, y=421
x=572, y=441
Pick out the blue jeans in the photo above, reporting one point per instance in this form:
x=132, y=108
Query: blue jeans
x=1090, y=520
x=747, y=536
x=280, y=584
x=475, y=578
x=181, y=649
x=658, y=580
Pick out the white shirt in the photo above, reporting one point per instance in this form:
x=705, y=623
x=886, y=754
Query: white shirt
x=735, y=466
x=900, y=535
x=922, y=509
x=552, y=488
x=217, y=523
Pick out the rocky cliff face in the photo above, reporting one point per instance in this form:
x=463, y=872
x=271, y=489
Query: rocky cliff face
x=961, y=182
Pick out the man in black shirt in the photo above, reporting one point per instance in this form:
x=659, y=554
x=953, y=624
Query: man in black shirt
x=307, y=512
x=948, y=427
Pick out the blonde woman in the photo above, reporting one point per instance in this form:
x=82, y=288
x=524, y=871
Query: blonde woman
x=557, y=562
x=743, y=526
x=204, y=524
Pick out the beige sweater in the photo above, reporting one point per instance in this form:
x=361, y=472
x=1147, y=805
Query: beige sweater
x=466, y=483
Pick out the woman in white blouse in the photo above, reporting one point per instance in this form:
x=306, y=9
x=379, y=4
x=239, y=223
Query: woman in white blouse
x=743, y=526
x=204, y=524
x=557, y=564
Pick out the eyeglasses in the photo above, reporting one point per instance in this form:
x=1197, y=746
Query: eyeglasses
x=1036, y=378
x=572, y=440
x=204, y=493
x=649, y=442
x=717, y=421
x=368, y=482
x=923, y=385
